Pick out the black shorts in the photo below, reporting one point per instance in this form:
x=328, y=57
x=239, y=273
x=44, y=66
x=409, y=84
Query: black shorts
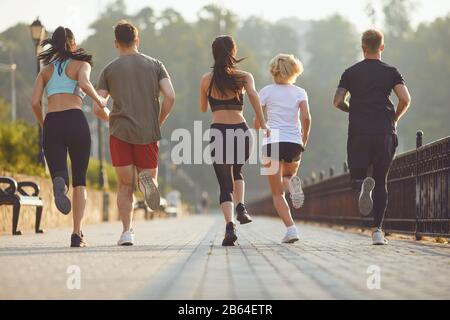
x=288, y=152
x=364, y=151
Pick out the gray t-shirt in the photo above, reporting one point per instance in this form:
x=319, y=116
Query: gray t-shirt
x=133, y=83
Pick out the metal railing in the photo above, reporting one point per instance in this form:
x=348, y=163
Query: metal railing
x=419, y=194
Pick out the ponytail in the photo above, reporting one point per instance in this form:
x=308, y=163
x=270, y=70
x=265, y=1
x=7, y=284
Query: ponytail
x=223, y=76
x=59, y=49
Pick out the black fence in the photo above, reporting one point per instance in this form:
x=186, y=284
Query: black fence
x=419, y=194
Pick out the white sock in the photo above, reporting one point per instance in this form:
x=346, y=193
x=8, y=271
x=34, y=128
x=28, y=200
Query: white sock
x=292, y=228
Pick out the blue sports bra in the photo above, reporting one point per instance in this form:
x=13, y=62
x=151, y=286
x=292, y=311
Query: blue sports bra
x=61, y=83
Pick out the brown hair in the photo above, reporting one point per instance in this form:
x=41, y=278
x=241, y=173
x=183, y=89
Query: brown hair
x=125, y=33
x=57, y=48
x=224, y=77
x=372, y=40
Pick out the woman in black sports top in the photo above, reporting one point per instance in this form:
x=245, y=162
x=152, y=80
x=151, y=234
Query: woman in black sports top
x=223, y=90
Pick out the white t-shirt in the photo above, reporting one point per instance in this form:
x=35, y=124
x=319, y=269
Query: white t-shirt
x=283, y=112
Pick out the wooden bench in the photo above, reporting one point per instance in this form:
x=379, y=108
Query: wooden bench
x=16, y=195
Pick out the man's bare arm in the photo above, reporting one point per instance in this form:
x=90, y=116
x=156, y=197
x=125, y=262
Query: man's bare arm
x=340, y=100
x=85, y=84
x=101, y=113
x=404, y=101
x=168, y=92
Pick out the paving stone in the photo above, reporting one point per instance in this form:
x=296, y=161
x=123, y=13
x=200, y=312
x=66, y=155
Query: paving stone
x=183, y=259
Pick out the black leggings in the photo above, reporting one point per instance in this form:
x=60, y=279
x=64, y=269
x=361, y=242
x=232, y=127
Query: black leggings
x=231, y=146
x=67, y=131
x=376, y=152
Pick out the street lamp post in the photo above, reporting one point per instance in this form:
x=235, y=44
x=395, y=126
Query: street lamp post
x=102, y=178
x=37, y=30
x=13, y=92
x=101, y=154
x=12, y=69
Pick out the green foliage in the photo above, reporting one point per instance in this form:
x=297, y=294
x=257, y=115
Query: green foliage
x=19, y=148
x=326, y=47
x=93, y=174
x=397, y=14
x=19, y=153
x=17, y=47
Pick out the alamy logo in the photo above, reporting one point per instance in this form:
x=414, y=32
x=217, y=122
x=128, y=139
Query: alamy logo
x=224, y=147
x=374, y=280
x=74, y=279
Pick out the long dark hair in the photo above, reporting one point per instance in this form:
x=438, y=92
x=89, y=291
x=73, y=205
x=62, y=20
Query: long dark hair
x=224, y=78
x=59, y=49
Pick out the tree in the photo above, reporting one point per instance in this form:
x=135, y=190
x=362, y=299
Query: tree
x=21, y=48
x=333, y=46
x=326, y=47
x=397, y=14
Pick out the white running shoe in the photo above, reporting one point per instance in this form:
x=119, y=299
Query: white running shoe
x=296, y=192
x=150, y=190
x=291, y=235
x=378, y=238
x=365, y=198
x=127, y=238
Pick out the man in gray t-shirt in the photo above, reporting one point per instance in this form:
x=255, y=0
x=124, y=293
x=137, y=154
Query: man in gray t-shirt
x=134, y=81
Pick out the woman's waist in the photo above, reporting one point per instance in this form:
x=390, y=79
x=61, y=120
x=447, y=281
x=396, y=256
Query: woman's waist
x=64, y=101
x=287, y=129
x=232, y=126
x=67, y=115
x=59, y=109
x=228, y=117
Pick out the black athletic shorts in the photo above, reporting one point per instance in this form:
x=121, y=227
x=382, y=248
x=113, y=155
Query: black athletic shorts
x=287, y=151
x=364, y=151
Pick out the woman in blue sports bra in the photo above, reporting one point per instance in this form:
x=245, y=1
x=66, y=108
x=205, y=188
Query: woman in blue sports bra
x=65, y=78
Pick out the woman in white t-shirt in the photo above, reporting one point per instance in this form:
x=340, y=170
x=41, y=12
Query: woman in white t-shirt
x=289, y=120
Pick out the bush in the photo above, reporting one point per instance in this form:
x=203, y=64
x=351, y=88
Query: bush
x=93, y=175
x=19, y=153
x=19, y=148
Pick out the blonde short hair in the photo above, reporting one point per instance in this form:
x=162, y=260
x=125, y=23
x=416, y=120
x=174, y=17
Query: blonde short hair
x=285, y=68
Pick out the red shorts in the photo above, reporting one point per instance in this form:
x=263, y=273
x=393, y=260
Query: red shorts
x=143, y=156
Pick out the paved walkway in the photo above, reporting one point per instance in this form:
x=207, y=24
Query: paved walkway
x=183, y=259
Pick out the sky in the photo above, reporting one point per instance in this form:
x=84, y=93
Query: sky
x=78, y=14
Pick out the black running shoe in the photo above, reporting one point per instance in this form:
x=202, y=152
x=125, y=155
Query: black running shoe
x=242, y=215
x=62, y=202
x=77, y=242
x=230, y=235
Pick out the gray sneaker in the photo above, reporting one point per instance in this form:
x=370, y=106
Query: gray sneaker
x=150, y=190
x=378, y=238
x=365, y=198
x=296, y=192
x=62, y=202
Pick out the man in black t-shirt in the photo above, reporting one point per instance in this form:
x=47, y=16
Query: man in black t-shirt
x=372, y=138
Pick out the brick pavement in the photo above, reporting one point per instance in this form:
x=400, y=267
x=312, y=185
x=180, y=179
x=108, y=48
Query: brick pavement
x=183, y=259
